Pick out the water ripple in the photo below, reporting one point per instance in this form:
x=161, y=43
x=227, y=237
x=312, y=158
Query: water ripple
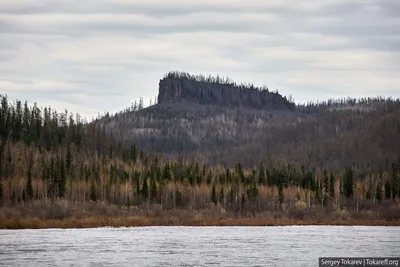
x=194, y=246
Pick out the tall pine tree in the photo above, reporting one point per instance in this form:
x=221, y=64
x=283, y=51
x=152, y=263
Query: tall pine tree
x=348, y=182
x=29, y=187
x=214, y=195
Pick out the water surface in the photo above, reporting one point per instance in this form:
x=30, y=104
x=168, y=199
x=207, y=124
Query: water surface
x=195, y=246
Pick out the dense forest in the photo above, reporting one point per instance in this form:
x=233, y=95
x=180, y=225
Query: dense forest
x=330, y=161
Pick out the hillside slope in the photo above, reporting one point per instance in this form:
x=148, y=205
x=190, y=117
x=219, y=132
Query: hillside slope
x=230, y=128
x=59, y=171
x=178, y=86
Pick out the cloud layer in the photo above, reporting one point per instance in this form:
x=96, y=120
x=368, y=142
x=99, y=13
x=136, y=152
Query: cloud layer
x=91, y=56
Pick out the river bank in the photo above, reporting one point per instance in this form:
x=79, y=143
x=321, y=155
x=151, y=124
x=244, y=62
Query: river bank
x=138, y=221
x=66, y=214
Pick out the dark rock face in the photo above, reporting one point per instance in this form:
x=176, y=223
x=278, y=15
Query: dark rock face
x=177, y=86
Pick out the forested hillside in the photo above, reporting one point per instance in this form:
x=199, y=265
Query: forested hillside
x=250, y=125
x=177, y=86
x=182, y=162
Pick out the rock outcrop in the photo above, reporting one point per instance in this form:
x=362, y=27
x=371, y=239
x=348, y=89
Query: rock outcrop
x=177, y=86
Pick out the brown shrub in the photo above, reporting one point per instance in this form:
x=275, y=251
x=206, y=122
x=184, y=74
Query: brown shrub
x=391, y=213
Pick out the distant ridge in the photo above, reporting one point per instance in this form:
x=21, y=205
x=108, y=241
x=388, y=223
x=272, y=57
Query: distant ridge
x=182, y=86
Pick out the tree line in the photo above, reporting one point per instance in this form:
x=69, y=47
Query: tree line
x=46, y=156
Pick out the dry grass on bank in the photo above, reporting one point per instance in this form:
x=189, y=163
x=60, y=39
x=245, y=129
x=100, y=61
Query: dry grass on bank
x=131, y=221
x=65, y=214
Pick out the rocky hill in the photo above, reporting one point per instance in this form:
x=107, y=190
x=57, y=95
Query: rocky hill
x=178, y=86
x=219, y=122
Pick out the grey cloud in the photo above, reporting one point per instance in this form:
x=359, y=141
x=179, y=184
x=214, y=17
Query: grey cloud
x=97, y=55
x=173, y=8
x=358, y=29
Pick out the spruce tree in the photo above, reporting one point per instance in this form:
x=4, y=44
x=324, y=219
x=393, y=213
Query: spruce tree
x=252, y=192
x=388, y=190
x=221, y=195
x=145, y=188
x=1, y=194
x=261, y=175
x=332, y=186
x=209, y=177
x=319, y=193
x=395, y=181
x=62, y=183
x=29, y=187
x=191, y=179
x=153, y=190
x=199, y=179
x=378, y=193
x=68, y=160
x=240, y=174
x=52, y=179
x=167, y=172
x=228, y=176
x=281, y=194
x=137, y=180
x=326, y=184
x=231, y=196
x=348, y=182
x=214, y=195
x=93, y=195
x=243, y=200
x=178, y=197
x=1, y=159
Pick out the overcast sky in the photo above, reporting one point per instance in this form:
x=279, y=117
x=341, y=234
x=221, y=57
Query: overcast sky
x=95, y=55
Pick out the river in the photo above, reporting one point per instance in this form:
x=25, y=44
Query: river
x=195, y=246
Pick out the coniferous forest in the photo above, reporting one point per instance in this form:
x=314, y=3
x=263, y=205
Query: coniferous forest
x=335, y=162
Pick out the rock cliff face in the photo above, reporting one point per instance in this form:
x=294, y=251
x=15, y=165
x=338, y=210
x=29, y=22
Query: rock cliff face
x=177, y=86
